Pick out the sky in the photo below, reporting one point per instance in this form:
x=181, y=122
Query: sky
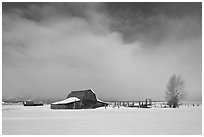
x=123, y=51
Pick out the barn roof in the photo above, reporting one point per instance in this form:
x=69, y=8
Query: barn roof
x=68, y=100
x=80, y=93
x=83, y=91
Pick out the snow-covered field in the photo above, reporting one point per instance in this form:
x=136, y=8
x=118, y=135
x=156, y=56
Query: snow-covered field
x=17, y=119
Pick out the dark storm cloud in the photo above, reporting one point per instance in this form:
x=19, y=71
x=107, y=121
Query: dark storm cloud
x=152, y=22
x=135, y=21
x=41, y=11
x=118, y=49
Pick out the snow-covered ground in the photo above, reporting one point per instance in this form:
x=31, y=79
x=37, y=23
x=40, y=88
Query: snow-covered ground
x=17, y=119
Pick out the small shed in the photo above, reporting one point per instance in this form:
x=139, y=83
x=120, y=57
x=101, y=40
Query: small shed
x=32, y=103
x=82, y=99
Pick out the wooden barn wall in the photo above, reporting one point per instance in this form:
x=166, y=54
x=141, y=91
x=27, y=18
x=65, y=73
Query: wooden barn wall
x=89, y=96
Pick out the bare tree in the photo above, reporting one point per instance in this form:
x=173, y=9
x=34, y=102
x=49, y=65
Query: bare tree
x=175, y=91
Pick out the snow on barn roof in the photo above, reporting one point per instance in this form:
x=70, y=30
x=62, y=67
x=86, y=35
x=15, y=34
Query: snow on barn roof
x=100, y=100
x=68, y=100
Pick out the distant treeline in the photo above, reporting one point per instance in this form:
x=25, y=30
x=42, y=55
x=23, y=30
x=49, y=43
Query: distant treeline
x=20, y=100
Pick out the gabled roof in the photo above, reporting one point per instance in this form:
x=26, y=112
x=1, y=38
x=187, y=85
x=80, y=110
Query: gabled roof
x=81, y=93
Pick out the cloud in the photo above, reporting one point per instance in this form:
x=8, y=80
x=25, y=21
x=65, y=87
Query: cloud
x=50, y=49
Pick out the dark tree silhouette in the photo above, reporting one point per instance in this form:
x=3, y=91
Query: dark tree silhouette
x=175, y=91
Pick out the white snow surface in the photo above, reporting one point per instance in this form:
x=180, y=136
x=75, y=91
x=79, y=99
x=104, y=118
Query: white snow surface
x=41, y=120
x=69, y=100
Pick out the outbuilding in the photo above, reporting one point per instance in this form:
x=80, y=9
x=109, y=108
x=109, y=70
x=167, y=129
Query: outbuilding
x=32, y=103
x=82, y=99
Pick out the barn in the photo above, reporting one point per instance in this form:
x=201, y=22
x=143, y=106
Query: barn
x=82, y=99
